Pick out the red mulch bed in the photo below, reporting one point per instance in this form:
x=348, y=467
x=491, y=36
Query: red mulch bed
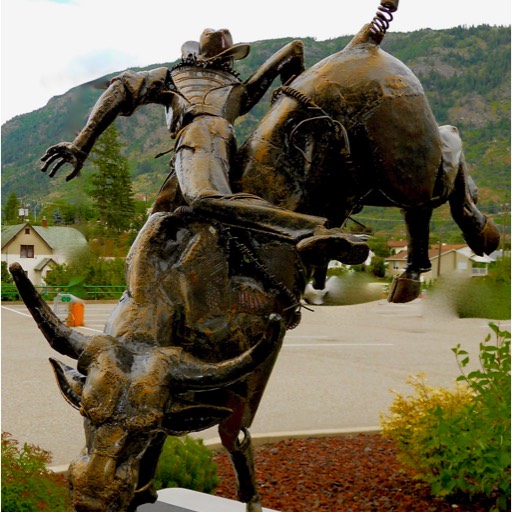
x=338, y=474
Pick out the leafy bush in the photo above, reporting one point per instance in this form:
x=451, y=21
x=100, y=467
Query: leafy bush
x=378, y=266
x=26, y=483
x=414, y=421
x=87, y=269
x=486, y=297
x=458, y=440
x=185, y=462
x=9, y=291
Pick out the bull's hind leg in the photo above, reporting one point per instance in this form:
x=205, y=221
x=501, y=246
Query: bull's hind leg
x=480, y=232
x=407, y=286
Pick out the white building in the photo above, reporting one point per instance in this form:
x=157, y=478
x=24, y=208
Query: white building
x=445, y=259
x=38, y=248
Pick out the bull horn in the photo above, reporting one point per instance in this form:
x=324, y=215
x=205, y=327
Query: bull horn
x=61, y=338
x=190, y=373
x=71, y=382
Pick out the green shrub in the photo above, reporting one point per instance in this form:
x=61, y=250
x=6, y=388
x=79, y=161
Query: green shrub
x=458, y=440
x=9, y=291
x=483, y=297
x=26, y=483
x=185, y=462
x=487, y=297
x=413, y=421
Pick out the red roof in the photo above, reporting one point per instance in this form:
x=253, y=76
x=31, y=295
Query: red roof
x=402, y=255
x=434, y=250
x=396, y=243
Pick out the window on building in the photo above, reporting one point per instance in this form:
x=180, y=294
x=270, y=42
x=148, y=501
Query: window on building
x=27, y=251
x=27, y=231
x=396, y=265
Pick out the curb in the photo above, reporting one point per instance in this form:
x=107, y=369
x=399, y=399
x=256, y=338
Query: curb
x=275, y=437
x=272, y=437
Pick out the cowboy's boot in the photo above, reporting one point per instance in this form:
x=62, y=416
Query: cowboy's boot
x=332, y=244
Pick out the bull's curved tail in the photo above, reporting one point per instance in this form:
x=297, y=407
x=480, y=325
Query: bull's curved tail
x=373, y=33
x=382, y=19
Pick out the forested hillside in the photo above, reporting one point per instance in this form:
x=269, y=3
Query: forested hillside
x=465, y=73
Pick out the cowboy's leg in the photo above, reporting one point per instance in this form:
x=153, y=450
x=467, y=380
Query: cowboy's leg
x=202, y=166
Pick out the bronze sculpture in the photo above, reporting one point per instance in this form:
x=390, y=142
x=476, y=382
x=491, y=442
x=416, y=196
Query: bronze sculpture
x=216, y=275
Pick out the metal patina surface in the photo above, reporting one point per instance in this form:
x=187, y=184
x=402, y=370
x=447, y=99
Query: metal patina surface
x=216, y=275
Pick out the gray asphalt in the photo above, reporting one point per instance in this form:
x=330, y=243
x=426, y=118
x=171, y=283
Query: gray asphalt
x=335, y=370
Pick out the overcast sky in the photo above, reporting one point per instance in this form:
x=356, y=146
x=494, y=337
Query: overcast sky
x=50, y=46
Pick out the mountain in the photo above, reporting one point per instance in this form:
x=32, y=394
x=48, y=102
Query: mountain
x=465, y=72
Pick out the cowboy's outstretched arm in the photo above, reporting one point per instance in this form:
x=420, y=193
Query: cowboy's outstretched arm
x=124, y=94
x=107, y=108
x=286, y=63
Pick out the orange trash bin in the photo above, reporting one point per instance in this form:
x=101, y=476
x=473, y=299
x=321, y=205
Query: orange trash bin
x=76, y=314
x=69, y=309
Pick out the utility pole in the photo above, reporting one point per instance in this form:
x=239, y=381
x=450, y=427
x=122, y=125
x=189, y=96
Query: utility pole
x=439, y=250
x=504, y=228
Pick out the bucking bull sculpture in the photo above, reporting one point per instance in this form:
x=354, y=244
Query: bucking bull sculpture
x=216, y=275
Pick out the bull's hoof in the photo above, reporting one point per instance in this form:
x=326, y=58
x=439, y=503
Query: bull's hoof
x=319, y=278
x=486, y=240
x=404, y=289
x=253, y=506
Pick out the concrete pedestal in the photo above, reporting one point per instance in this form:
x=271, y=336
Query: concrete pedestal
x=185, y=500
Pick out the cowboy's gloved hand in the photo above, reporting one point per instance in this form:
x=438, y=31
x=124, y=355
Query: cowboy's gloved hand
x=60, y=154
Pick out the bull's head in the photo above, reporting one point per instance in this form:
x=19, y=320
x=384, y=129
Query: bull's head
x=129, y=395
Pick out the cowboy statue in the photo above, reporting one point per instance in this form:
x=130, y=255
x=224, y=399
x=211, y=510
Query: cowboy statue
x=203, y=97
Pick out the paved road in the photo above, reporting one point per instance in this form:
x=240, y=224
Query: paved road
x=335, y=370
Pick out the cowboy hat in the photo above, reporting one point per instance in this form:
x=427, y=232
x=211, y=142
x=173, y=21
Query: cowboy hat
x=214, y=44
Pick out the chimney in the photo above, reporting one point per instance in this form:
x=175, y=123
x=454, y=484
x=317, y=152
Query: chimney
x=44, y=223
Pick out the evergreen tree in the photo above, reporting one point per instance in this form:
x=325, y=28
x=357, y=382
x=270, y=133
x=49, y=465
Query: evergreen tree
x=11, y=210
x=112, y=186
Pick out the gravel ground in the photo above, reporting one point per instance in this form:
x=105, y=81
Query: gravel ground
x=339, y=474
